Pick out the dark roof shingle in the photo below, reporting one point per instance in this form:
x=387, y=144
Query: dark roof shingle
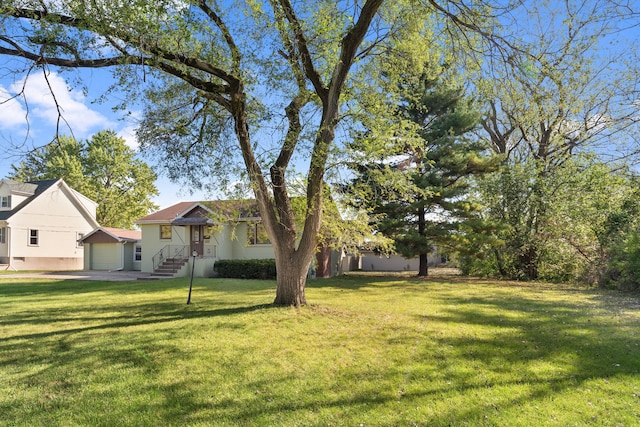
x=40, y=187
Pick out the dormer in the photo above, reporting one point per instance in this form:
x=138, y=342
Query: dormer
x=12, y=193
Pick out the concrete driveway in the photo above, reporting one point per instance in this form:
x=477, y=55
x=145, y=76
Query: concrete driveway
x=105, y=276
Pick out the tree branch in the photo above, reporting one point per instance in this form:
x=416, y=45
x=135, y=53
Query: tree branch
x=328, y=123
x=126, y=58
x=303, y=47
x=62, y=62
x=235, y=52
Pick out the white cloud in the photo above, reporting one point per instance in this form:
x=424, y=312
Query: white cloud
x=128, y=132
x=12, y=113
x=42, y=94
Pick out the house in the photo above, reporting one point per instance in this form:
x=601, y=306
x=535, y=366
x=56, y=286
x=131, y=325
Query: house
x=42, y=224
x=372, y=261
x=232, y=229
x=211, y=230
x=205, y=232
x=112, y=249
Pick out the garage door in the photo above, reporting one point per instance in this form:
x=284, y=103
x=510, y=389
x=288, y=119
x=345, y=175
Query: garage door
x=105, y=256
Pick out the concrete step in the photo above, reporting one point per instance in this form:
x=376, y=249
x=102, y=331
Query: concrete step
x=166, y=270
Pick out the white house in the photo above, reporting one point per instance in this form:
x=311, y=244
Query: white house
x=231, y=229
x=212, y=230
x=42, y=224
x=371, y=261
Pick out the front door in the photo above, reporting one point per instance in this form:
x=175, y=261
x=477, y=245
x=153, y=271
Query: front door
x=197, y=243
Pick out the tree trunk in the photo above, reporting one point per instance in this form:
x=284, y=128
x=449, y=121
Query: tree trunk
x=500, y=263
x=529, y=260
x=424, y=267
x=292, y=276
x=292, y=264
x=422, y=230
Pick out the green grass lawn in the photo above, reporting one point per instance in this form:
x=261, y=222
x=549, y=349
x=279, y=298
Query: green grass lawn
x=368, y=351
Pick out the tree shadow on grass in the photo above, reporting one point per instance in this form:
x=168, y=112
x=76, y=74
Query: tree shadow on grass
x=358, y=280
x=498, y=342
x=553, y=347
x=152, y=313
x=54, y=287
x=538, y=349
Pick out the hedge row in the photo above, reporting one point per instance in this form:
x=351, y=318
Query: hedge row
x=246, y=268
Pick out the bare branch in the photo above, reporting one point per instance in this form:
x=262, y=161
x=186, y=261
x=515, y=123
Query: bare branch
x=60, y=118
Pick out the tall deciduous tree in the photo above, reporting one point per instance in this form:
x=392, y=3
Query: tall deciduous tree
x=103, y=168
x=419, y=200
x=223, y=52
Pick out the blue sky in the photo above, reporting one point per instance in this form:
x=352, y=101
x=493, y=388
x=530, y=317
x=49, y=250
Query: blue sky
x=32, y=120
x=33, y=123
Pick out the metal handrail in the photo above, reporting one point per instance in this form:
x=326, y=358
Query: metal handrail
x=169, y=251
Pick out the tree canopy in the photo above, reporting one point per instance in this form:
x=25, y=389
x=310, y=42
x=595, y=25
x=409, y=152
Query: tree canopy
x=418, y=194
x=218, y=70
x=571, y=89
x=102, y=168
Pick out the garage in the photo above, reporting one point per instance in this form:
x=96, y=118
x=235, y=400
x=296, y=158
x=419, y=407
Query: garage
x=112, y=249
x=105, y=256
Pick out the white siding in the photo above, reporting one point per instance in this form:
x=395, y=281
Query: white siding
x=58, y=222
x=373, y=262
x=242, y=250
x=230, y=242
x=152, y=244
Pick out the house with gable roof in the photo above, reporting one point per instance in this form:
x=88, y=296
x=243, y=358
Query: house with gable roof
x=207, y=231
x=210, y=230
x=42, y=224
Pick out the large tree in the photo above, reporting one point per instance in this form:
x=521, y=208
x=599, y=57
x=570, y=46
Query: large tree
x=102, y=168
x=418, y=196
x=218, y=51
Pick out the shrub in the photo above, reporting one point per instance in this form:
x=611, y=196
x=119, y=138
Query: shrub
x=246, y=268
x=624, y=266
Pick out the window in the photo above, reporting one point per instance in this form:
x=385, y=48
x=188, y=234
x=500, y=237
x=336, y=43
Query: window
x=165, y=232
x=3, y=235
x=33, y=237
x=137, y=252
x=79, y=237
x=5, y=201
x=208, y=232
x=257, y=234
